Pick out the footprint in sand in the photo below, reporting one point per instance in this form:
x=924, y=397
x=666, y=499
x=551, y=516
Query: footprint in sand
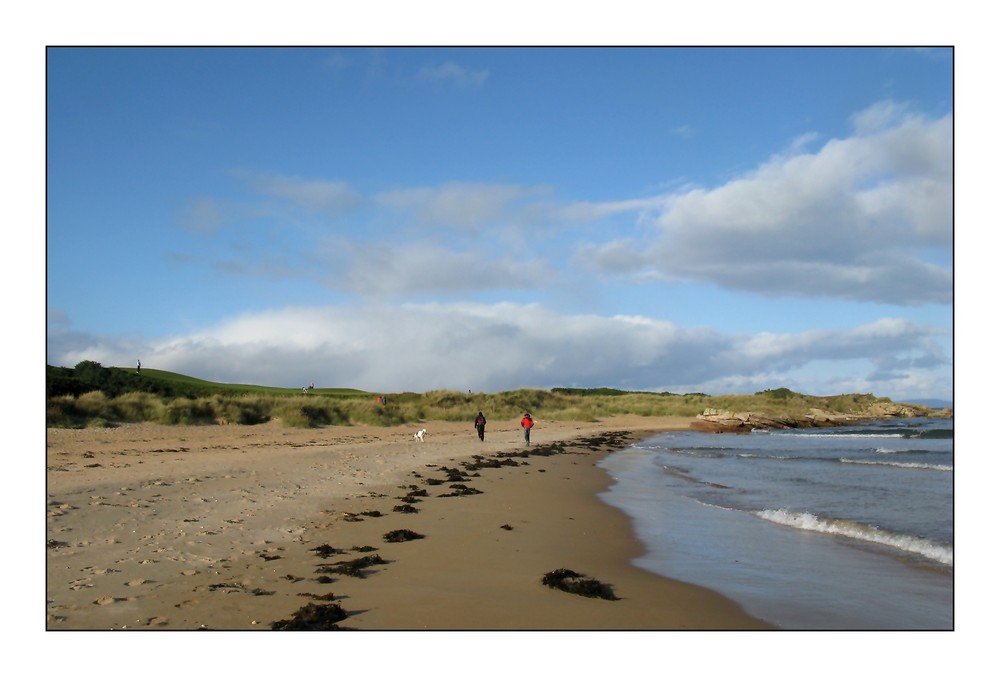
x=106, y=600
x=136, y=582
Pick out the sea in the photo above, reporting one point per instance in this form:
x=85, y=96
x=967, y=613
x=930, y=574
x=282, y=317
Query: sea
x=845, y=528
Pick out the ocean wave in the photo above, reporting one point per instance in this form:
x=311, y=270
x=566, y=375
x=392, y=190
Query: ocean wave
x=885, y=450
x=879, y=435
x=937, y=434
x=863, y=532
x=770, y=457
x=899, y=464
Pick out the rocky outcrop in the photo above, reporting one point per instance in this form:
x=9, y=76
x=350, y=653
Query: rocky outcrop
x=724, y=421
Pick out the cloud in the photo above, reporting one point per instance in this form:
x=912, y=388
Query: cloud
x=501, y=346
x=463, y=205
x=336, y=62
x=683, y=131
x=202, y=215
x=331, y=198
x=864, y=218
x=451, y=72
x=418, y=268
x=854, y=220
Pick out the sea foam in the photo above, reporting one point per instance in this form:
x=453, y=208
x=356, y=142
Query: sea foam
x=864, y=532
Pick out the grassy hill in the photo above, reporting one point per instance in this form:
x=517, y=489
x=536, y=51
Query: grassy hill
x=92, y=395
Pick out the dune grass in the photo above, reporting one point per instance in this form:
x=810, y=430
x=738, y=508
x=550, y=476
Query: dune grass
x=181, y=400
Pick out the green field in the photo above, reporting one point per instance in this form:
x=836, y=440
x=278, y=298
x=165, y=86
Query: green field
x=90, y=395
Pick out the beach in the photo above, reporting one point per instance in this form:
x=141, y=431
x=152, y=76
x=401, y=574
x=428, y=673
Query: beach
x=228, y=527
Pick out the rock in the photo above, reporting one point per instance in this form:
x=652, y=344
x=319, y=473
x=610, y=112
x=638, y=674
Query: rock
x=724, y=421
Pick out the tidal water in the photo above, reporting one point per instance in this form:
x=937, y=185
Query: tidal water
x=847, y=528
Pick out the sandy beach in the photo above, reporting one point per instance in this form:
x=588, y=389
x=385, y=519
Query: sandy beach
x=244, y=527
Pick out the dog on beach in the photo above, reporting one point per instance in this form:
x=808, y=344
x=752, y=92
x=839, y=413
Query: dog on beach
x=419, y=435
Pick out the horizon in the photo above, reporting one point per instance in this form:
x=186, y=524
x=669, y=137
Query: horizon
x=368, y=391
x=716, y=220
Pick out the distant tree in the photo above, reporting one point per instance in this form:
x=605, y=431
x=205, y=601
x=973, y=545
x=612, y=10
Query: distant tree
x=779, y=393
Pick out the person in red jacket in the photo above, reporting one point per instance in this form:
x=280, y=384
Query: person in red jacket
x=527, y=424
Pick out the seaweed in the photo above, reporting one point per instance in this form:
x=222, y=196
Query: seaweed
x=461, y=490
x=401, y=535
x=326, y=550
x=354, y=567
x=313, y=617
x=579, y=584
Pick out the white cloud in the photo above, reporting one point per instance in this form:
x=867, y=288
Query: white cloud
x=464, y=205
x=202, y=215
x=332, y=198
x=851, y=221
x=420, y=268
x=451, y=72
x=501, y=346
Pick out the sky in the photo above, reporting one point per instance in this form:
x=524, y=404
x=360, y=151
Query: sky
x=689, y=219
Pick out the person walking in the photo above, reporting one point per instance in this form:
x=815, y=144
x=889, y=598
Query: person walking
x=527, y=424
x=481, y=426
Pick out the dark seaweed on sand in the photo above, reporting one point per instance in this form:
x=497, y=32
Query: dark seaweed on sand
x=354, y=567
x=480, y=463
x=313, y=617
x=326, y=550
x=462, y=490
x=404, y=508
x=239, y=587
x=454, y=474
x=328, y=597
x=400, y=535
x=579, y=584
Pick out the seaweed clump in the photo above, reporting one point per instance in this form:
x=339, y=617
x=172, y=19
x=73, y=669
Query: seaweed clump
x=400, y=535
x=462, y=490
x=326, y=550
x=313, y=617
x=579, y=584
x=354, y=567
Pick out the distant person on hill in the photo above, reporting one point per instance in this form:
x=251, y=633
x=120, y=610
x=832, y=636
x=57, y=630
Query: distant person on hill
x=527, y=424
x=481, y=426
x=138, y=367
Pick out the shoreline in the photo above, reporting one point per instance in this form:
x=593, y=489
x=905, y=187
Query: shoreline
x=159, y=527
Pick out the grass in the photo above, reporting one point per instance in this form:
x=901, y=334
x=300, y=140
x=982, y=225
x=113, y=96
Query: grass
x=204, y=402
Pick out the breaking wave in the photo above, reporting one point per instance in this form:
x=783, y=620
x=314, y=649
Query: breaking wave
x=863, y=532
x=894, y=464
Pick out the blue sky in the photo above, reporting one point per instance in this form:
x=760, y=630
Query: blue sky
x=684, y=219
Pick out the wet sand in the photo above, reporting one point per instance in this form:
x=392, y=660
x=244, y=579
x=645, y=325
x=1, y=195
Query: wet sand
x=242, y=527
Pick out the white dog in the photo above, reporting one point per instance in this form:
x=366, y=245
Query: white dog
x=419, y=435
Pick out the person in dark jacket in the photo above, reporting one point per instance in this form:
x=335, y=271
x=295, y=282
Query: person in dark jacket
x=481, y=426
